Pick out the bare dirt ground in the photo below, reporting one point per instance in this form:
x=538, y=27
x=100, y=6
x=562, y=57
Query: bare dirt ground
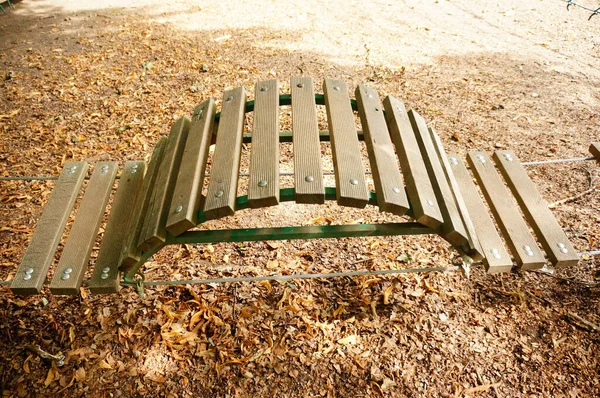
x=92, y=80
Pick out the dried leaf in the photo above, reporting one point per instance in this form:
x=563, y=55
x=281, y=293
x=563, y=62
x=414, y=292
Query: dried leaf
x=386, y=294
x=348, y=340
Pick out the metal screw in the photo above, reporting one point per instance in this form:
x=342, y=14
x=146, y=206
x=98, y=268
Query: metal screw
x=309, y=178
x=528, y=250
x=104, y=169
x=495, y=253
x=105, y=270
x=299, y=85
x=219, y=194
x=72, y=169
x=133, y=169
x=481, y=158
x=562, y=247
x=396, y=189
x=29, y=271
x=262, y=183
x=263, y=89
x=26, y=277
x=104, y=276
x=430, y=202
x=229, y=98
x=64, y=277
x=179, y=209
x=354, y=181
x=68, y=270
x=453, y=160
x=336, y=88
x=508, y=157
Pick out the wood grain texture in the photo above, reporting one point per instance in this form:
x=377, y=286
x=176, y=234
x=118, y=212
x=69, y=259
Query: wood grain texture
x=105, y=278
x=522, y=245
x=187, y=194
x=452, y=229
x=475, y=250
x=557, y=246
x=420, y=191
x=595, y=150
x=131, y=253
x=349, y=171
x=40, y=252
x=76, y=254
x=222, y=187
x=263, y=188
x=154, y=232
x=496, y=257
x=389, y=186
x=308, y=169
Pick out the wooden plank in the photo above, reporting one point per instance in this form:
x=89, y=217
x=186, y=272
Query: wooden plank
x=183, y=212
x=496, y=257
x=222, y=187
x=475, y=250
x=40, y=253
x=263, y=188
x=76, y=254
x=389, y=187
x=516, y=232
x=131, y=253
x=308, y=169
x=349, y=171
x=452, y=229
x=595, y=150
x=557, y=246
x=105, y=278
x=154, y=232
x=420, y=192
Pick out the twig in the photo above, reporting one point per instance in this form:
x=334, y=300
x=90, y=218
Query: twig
x=579, y=281
x=591, y=188
x=579, y=321
x=59, y=358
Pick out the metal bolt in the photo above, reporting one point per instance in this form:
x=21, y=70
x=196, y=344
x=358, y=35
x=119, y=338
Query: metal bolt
x=495, y=253
x=72, y=169
x=354, y=181
x=309, y=178
x=26, y=277
x=200, y=114
x=68, y=270
x=396, y=189
x=262, y=183
x=299, y=85
x=64, y=277
x=430, y=202
x=133, y=169
x=453, y=160
x=562, y=247
x=219, y=194
x=229, y=98
x=508, y=157
x=370, y=95
x=104, y=170
x=336, y=88
x=481, y=158
x=179, y=209
x=29, y=271
x=104, y=276
x=528, y=250
x=105, y=270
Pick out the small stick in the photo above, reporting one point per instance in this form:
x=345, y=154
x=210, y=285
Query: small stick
x=583, y=322
x=591, y=188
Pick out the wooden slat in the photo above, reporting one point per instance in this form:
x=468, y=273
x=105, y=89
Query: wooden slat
x=552, y=237
x=308, y=169
x=40, y=253
x=263, y=188
x=595, y=150
x=222, y=187
x=76, y=254
x=131, y=253
x=418, y=186
x=515, y=230
x=452, y=229
x=475, y=250
x=183, y=212
x=389, y=187
x=349, y=171
x=496, y=257
x=154, y=232
x=105, y=278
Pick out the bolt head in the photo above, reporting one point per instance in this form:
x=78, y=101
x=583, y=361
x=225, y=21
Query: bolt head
x=299, y=85
x=229, y=98
x=104, y=276
x=26, y=277
x=104, y=169
x=105, y=270
x=263, y=89
x=133, y=169
x=262, y=183
x=68, y=270
x=64, y=277
x=528, y=250
x=309, y=178
x=354, y=181
x=396, y=189
x=370, y=95
x=219, y=194
x=336, y=88
x=430, y=202
x=179, y=209
x=29, y=270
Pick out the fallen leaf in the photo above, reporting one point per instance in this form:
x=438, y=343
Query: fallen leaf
x=348, y=340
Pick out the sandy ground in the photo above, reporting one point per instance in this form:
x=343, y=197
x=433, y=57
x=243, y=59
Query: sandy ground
x=104, y=80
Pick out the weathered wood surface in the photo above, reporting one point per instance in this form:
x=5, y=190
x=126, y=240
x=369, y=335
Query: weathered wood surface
x=187, y=194
x=308, y=169
x=389, y=186
x=40, y=253
x=76, y=254
x=521, y=242
x=105, y=278
x=557, y=246
x=263, y=188
x=222, y=187
x=595, y=150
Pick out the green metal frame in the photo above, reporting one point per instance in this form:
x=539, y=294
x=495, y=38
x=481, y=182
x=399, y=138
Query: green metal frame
x=286, y=195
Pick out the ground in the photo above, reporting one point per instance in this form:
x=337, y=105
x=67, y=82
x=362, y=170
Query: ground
x=90, y=81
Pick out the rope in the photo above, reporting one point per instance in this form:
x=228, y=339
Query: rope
x=327, y=173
